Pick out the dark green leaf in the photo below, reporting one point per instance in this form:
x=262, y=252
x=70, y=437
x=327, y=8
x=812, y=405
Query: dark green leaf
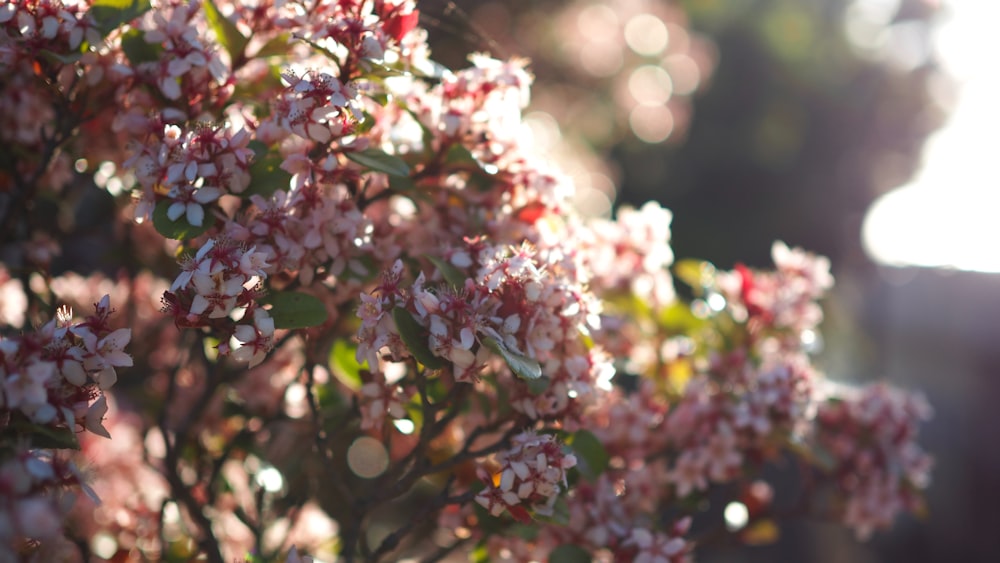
x=522, y=366
x=591, y=457
x=415, y=337
x=365, y=124
x=179, y=229
x=109, y=15
x=137, y=50
x=526, y=531
x=559, y=516
x=380, y=161
x=292, y=309
x=451, y=274
x=63, y=59
x=538, y=386
x=569, y=553
x=266, y=175
x=401, y=184
x=226, y=32
x=40, y=436
x=458, y=155
x=487, y=523
x=344, y=363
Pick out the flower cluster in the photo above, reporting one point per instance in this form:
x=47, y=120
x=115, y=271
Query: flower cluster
x=784, y=299
x=659, y=547
x=529, y=476
x=34, y=502
x=56, y=377
x=879, y=469
x=52, y=383
x=223, y=280
x=382, y=285
x=192, y=168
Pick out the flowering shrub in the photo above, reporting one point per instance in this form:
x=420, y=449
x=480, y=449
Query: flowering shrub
x=388, y=330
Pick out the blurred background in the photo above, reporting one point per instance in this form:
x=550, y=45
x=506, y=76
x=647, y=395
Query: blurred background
x=858, y=129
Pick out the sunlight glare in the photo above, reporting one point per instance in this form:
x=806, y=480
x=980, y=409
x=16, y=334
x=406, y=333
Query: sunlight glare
x=947, y=217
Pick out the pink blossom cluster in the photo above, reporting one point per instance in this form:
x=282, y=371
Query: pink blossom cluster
x=56, y=376
x=192, y=168
x=371, y=252
x=879, y=469
x=530, y=476
x=46, y=24
x=222, y=281
x=737, y=414
x=506, y=307
x=52, y=385
x=188, y=65
x=35, y=495
x=784, y=299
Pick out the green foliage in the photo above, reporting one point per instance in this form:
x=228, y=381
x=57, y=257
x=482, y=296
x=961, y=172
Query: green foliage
x=380, y=161
x=293, y=309
x=226, y=32
x=591, y=457
x=415, y=338
x=266, y=175
x=275, y=47
x=522, y=366
x=137, y=49
x=569, y=553
x=697, y=274
x=38, y=435
x=455, y=277
x=109, y=15
x=344, y=363
x=179, y=229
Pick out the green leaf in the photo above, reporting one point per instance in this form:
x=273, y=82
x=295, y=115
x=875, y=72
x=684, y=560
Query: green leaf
x=179, y=229
x=293, y=309
x=266, y=175
x=365, y=124
x=402, y=184
x=275, y=47
x=559, y=516
x=538, y=386
x=569, y=553
x=528, y=532
x=226, y=32
x=62, y=59
x=137, y=50
x=677, y=317
x=380, y=161
x=481, y=554
x=591, y=457
x=109, y=15
x=813, y=454
x=696, y=273
x=458, y=154
x=522, y=366
x=344, y=364
x=374, y=69
x=328, y=53
x=415, y=337
x=451, y=274
x=40, y=436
